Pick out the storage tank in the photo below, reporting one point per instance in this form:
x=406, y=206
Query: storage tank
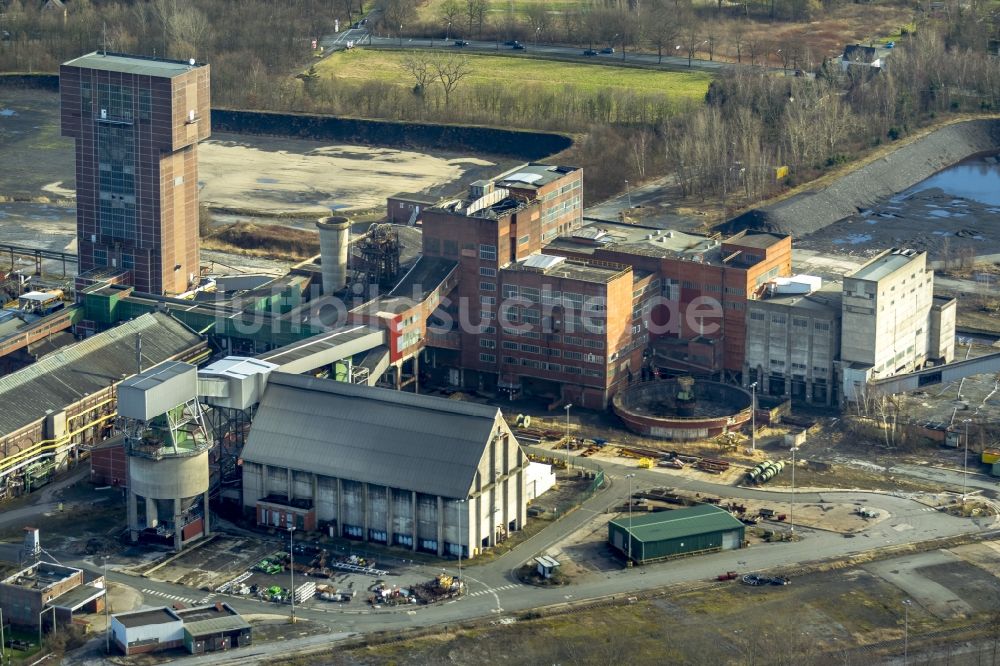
x=167, y=447
x=334, y=236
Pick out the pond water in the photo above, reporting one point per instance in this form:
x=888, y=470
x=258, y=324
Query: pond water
x=979, y=181
x=953, y=212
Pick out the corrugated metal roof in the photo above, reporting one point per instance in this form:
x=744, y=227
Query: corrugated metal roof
x=679, y=523
x=402, y=440
x=62, y=378
x=77, y=597
x=129, y=64
x=325, y=348
x=216, y=625
x=151, y=378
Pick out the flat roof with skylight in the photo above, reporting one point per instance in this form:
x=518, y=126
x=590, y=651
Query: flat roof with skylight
x=532, y=175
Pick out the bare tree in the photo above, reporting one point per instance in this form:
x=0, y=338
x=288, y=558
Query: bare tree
x=448, y=12
x=539, y=20
x=185, y=26
x=737, y=35
x=690, y=37
x=420, y=66
x=475, y=11
x=450, y=72
x=661, y=28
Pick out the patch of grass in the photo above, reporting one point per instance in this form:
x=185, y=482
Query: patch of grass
x=266, y=240
x=382, y=65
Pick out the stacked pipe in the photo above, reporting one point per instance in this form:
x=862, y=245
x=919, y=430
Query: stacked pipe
x=765, y=471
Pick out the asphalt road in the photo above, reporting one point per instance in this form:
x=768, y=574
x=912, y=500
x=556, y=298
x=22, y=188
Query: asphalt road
x=670, y=62
x=493, y=591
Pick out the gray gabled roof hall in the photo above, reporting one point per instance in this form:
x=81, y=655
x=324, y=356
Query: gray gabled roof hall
x=379, y=436
x=72, y=373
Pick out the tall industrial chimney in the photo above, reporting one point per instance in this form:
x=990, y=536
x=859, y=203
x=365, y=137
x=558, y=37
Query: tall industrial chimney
x=334, y=235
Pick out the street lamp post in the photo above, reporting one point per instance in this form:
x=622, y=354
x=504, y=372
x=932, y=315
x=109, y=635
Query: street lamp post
x=291, y=567
x=400, y=34
x=965, y=472
x=791, y=506
x=906, y=631
x=107, y=620
x=461, y=507
x=630, y=477
x=628, y=192
x=753, y=416
x=447, y=33
x=567, y=408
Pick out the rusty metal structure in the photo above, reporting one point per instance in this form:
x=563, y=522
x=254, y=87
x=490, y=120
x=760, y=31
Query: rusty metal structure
x=377, y=258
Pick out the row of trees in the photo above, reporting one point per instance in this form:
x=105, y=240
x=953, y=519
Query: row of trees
x=589, y=22
x=728, y=147
x=273, y=36
x=664, y=26
x=754, y=122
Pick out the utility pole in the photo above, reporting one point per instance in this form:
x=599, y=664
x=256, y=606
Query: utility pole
x=461, y=507
x=630, y=477
x=567, y=433
x=291, y=566
x=107, y=620
x=753, y=416
x=965, y=473
x=791, y=507
x=906, y=631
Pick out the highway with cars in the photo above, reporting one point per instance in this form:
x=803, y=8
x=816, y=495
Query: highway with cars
x=362, y=38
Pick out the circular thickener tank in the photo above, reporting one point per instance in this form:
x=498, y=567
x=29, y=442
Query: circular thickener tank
x=169, y=478
x=678, y=409
x=334, y=237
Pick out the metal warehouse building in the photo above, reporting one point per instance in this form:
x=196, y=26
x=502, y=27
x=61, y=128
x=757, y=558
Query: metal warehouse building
x=390, y=467
x=666, y=534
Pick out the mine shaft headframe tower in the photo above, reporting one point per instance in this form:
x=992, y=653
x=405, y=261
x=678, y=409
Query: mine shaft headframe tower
x=167, y=447
x=137, y=122
x=379, y=250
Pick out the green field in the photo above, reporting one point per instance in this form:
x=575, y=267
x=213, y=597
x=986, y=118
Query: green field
x=362, y=64
x=429, y=12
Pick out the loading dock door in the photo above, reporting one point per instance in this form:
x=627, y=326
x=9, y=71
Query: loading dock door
x=730, y=540
x=619, y=541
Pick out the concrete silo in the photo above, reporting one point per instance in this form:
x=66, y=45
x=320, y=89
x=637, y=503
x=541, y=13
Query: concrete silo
x=167, y=448
x=334, y=239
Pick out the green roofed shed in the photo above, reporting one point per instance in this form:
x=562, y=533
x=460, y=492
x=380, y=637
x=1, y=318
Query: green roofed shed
x=667, y=534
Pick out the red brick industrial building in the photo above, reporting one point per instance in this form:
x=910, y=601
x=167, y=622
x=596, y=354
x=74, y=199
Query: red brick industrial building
x=137, y=122
x=546, y=307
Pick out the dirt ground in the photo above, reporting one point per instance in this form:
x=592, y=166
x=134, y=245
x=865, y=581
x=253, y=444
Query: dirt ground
x=823, y=618
x=302, y=177
x=256, y=177
x=214, y=563
x=947, y=215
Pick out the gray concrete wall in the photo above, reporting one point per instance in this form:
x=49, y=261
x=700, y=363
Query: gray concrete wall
x=796, y=342
x=812, y=210
x=169, y=478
